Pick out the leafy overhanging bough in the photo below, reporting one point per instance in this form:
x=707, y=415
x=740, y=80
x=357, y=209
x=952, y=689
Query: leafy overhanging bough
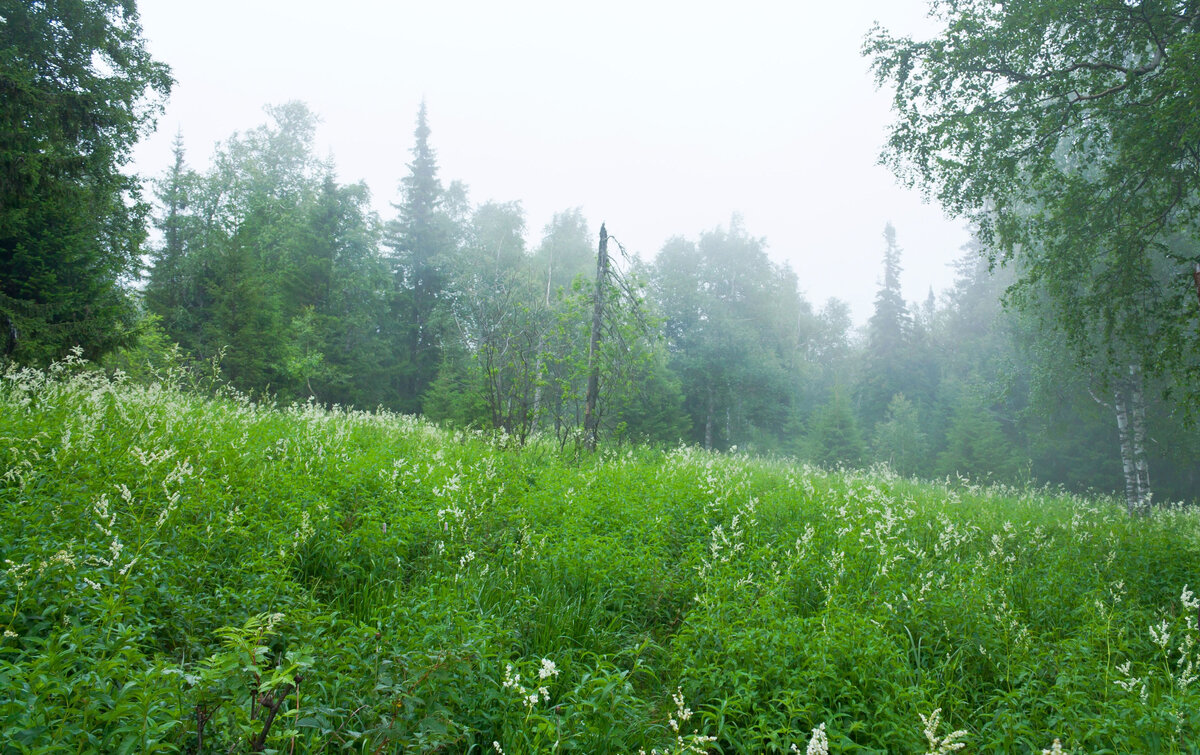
x=1066, y=132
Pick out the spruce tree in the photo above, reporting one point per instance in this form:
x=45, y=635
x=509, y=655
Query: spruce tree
x=418, y=238
x=975, y=442
x=899, y=439
x=886, y=368
x=835, y=438
x=170, y=290
x=78, y=89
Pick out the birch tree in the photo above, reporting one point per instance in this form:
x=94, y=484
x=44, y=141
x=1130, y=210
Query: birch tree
x=1066, y=131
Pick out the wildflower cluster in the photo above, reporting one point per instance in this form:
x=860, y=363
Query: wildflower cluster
x=546, y=672
x=945, y=744
x=375, y=532
x=818, y=743
x=685, y=742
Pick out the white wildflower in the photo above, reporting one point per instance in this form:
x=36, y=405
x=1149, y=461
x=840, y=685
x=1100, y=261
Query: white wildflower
x=1187, y=676
x=681, y=710
x=511, y=680
x=1161, y=634
x=1055, y=748
x=947, y=743
x=548, y=669
x=818, y=744
x=18, y=572
x=1192, y=605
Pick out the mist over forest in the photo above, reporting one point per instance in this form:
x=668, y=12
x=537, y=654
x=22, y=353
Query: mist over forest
x=263, y=268
x=283, y=279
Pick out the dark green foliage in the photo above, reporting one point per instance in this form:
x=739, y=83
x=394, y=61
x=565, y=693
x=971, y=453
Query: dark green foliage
x=419, y=240
x=270, y=265
x=77, y=89
x=896, y=357
x=457, y=396
x=650, y=410
x=888, y=353
x=1067, y=132
x=733, y=323
x=975, y=445
x=835, y=438
x=899, y=439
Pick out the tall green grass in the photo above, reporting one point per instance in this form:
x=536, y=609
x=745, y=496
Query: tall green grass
x=177, y=570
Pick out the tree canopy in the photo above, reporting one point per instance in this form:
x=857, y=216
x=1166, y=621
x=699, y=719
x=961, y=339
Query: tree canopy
x=77, y=89
x=1066, y=130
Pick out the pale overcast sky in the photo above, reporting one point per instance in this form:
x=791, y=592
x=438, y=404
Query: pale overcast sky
x=658, y=118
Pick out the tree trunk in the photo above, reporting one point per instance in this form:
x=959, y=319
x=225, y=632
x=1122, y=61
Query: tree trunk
x=1196, y=278
x=591, y=422
x=537, y=386
x=10, y=337
x=708, y=421
x=1120, y=405
x=1129, y=405
x=1137, y=418
x=537, y=370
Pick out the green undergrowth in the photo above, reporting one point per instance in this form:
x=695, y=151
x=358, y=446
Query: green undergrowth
x=211, y=576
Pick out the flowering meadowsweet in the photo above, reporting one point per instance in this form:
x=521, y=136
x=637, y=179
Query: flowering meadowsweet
x=1055, y=748
x=1192, y=605
x=695, y=743
x=1131, y=682
x=18, y=572
x=125, y=569
x=1186, y=664
x=511, y=680
x=1161, y=634
x=818, y=744
x=947, y=743
x=682, y=712
x=530, y=696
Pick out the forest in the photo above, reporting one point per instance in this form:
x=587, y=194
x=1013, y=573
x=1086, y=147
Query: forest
x=265, y=272
x=268, y=274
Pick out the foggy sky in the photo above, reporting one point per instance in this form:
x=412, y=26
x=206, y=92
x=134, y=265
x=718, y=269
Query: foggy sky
x=660, y=119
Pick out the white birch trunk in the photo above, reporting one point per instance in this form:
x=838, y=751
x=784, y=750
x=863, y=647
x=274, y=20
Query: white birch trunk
x=708, y=422
x=1121, y=406
x=1137, y=418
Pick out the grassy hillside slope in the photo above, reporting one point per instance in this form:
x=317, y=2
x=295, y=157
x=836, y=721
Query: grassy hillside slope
x=192, y=575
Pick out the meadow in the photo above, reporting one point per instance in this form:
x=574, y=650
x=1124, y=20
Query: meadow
x=197, y=574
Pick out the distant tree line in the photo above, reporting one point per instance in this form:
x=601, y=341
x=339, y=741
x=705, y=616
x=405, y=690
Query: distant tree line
x=287, y=276
x=284, y=282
